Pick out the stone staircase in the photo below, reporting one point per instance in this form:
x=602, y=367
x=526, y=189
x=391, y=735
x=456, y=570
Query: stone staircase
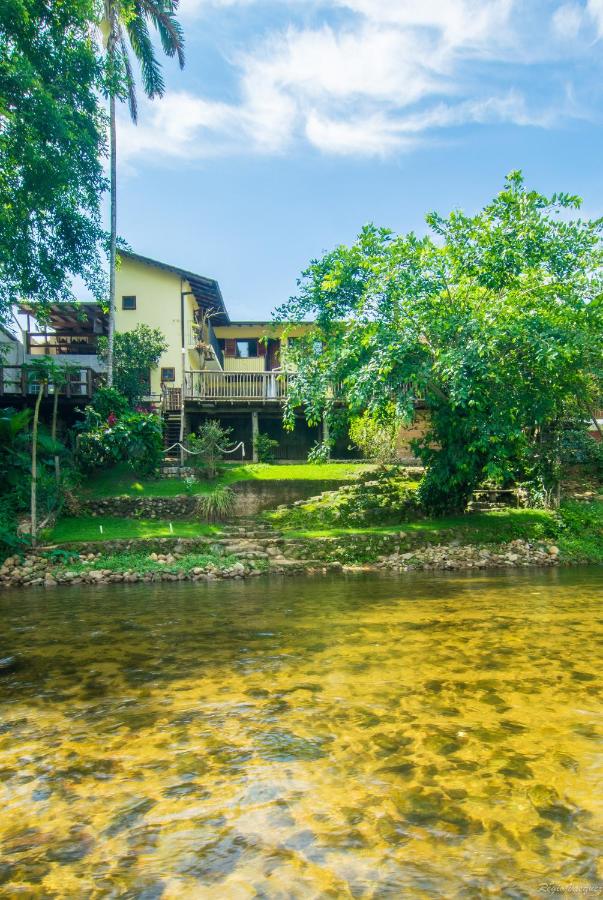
x=488, y=499
x=253, y=540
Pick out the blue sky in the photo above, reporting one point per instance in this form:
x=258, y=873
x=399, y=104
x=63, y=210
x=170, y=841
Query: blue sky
x=295, y=122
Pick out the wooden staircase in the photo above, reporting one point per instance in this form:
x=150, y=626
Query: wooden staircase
x=171, y=434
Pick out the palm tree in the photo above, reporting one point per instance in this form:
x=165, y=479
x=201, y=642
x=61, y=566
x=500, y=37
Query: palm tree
x=127, y=21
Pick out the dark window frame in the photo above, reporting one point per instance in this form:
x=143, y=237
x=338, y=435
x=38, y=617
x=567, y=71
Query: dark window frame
x=128, y=297
x=249, y=342
x=165, y=369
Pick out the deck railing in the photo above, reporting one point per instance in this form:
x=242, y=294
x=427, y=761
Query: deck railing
x=230, y=386
x=38, y=343
x=20, y=381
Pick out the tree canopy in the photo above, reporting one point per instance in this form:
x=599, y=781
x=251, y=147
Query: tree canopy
x=135, y=353
x=51, y=147
x=495, y=319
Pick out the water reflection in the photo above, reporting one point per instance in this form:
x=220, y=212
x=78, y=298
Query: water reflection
x=368, y=737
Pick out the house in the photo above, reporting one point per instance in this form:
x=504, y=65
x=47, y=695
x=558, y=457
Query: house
x=70, y=335
x=214, y=368
x=11, y=349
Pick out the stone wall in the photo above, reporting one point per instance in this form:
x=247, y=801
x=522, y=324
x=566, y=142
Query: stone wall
x=170, y=508
x=251, y=497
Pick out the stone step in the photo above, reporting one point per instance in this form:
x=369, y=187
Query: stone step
x=484, y=506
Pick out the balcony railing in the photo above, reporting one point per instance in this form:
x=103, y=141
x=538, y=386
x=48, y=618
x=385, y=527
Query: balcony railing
x=41, y=344
x=20, y=381
x=231, y=386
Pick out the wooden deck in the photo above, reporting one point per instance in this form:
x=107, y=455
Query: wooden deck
x=266, y=387
x=19, y=381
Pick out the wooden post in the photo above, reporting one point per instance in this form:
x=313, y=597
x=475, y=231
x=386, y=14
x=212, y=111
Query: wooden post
x=325, y=430
x=255, y=430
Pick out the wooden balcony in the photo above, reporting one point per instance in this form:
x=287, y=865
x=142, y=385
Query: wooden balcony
x=19, y=381
x=264, y=387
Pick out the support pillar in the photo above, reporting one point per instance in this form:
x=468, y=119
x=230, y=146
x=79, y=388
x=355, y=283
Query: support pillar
x=255, y=430
x=325, y=430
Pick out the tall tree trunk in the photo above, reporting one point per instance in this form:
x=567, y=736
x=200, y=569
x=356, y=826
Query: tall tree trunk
x=113, y=245
x=53, y=432
x=34, y=466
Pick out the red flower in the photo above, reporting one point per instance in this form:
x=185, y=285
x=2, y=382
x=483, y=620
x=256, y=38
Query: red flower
x=111, y=418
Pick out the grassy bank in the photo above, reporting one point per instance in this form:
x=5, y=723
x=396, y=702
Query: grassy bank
x=122, y=482
x=100, y=528
x=143, y=564
x=576, y=528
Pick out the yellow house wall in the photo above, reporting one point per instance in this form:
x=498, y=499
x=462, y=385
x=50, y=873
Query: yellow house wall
x=254, y=364
x=262, y=330
x=157, y=295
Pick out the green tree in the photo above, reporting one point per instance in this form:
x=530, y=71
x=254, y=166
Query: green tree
x=51, y=147
x=135, y=353
x=207, y=447
x=127, y=21
x=495, y=320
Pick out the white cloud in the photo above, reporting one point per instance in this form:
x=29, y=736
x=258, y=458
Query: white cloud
x=595, y=10
x=567, y=21
x=374, y=82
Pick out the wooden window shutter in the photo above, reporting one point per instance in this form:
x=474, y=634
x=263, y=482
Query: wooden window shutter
x=230, y=347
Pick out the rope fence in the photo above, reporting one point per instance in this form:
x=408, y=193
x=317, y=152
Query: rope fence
x=180, y=446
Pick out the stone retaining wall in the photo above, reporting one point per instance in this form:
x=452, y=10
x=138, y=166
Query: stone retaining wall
x=251, y=498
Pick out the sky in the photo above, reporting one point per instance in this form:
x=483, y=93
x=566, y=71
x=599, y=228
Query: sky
x=296, y=122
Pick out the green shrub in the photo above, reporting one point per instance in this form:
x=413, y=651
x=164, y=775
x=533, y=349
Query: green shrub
x=207, y=447
x=135, y=439
x=217, y=506
x=320, y=453
x=11, y=540
x=384, y=498
x=375, y=440
x=109, y=402
x=580, y=530
x=265, y=448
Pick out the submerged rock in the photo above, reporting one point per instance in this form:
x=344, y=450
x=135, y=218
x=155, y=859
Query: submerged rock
x=129, y=815
x=547, y=804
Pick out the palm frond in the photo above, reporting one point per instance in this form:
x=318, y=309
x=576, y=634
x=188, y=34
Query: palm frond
x=140, y=40
x=130, y=81
x=163, y=15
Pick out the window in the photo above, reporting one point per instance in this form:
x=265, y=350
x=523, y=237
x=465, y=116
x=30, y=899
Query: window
x=247, y=348
x=128, y=302
x=168, y=374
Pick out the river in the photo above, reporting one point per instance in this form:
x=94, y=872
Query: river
x=422, y=737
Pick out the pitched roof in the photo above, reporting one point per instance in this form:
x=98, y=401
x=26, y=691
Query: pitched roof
x=205, y=290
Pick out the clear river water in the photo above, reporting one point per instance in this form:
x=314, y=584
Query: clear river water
x=362, y=736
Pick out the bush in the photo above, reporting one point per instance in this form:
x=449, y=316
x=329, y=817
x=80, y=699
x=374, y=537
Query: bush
x=265, y=447
x=580, y=530
x=382, y=499
x=135, y=439
x=108, y=402
x=11, y=540
x=579, y=448
x=207, y=447
x=320, y=453
x=135, y=352
x=217, y=506
x=375, y=440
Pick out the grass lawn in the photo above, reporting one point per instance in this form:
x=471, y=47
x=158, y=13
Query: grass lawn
x=122, y=482
x=496, y=526
x=88, y=529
